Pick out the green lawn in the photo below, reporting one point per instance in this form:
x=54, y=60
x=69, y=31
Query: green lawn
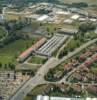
x=38, y=90
x=9, y=52
x=37, y=60
x=74, y=43
x=31, y=67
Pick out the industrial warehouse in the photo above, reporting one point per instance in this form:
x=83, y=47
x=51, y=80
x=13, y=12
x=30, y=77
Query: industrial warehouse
x=48, y=48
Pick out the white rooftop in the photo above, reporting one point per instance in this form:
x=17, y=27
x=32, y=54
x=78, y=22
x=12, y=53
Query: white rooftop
x=82, y=19
x=39, y=97
x=62, y=98
x=63, y=12
x=75, y=17
x=69, y=21
x=32, y=6
x=59, y=98
x=42, y=18
x=93, y=19
x=32, y=16
x=45, y=98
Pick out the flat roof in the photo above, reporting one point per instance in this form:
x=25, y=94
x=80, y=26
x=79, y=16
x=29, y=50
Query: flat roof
x=75, y=16
x=93, y=19
x=68, y=21
x=68, y=30
x=39, y=97
x=63, y=98
x=63, y=12
x=42, y=18
x=59, y=98
x=32, y=16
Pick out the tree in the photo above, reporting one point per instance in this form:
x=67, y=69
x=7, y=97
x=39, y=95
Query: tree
x=83, y=28
x=41, y=24
x=52, y=33
x=48, y=30
x=87, y=27
x=12, y=66
x=5, y=66
x=0, y=64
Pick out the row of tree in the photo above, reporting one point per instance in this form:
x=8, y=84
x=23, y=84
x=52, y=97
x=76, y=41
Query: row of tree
x=13, y=27
x=7, y=66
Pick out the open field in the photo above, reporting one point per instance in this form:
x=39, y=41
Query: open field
x=38, y=89
x=9, y=52
x=31, y=67
x=37, y=60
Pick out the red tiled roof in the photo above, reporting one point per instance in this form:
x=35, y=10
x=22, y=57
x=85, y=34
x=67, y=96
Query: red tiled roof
x=83, y=56
x=89, y=62
x=33, y=47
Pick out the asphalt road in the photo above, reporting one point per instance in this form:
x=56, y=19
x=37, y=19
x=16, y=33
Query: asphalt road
x=33, y=82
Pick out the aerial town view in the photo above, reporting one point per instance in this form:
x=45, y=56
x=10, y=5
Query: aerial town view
x=48, y=49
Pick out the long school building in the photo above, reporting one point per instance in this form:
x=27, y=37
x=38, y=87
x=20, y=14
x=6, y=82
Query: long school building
x=23, y=56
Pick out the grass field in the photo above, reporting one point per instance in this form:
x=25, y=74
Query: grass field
x=74, y=43
x=36, y=91
x=9, y=52
x=37, y=60
x=31, y=67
